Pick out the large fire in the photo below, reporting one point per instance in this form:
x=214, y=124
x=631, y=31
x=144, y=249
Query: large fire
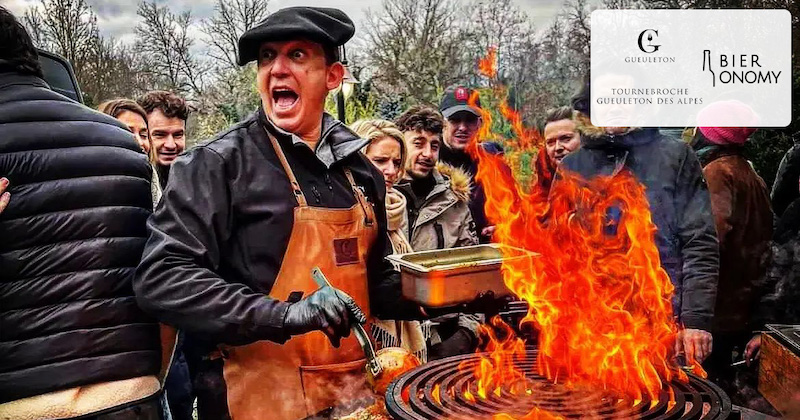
x=596, y=292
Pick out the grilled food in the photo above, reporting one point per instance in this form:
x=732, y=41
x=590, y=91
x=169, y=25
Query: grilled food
x=394, y=361
x=373, y=412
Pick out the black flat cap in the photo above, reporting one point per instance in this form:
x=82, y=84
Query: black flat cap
x=329, y=27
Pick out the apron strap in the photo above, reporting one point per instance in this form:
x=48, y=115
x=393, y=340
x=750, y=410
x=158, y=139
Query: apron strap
x=298, y=193
x=362, y=200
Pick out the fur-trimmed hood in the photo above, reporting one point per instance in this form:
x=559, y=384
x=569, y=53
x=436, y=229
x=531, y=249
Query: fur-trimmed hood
x=460, y=181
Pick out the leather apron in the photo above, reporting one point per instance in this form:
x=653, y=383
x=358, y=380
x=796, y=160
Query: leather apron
x=266, y=380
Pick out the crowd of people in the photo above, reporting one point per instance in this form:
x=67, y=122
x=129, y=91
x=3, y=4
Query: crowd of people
x=130, y=266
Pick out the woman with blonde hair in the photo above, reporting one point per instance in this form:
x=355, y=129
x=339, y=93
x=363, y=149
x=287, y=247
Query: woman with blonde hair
x=387, y=151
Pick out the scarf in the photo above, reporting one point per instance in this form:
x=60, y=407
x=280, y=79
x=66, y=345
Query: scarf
x=391, y=333
x=397, y=219
x=708, y=151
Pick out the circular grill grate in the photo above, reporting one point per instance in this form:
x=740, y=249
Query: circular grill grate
x=697, y=399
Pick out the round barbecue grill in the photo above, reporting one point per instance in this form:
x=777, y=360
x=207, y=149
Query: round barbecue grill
x=697, y=399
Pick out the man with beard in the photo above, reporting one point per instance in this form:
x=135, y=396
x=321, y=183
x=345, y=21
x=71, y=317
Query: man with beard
x=166, y=119
x=246, y=217
x=462, y=124
x=438, y=217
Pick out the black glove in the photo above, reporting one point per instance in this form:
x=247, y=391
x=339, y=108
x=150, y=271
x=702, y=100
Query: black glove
x=325, y=310
x=488, y=303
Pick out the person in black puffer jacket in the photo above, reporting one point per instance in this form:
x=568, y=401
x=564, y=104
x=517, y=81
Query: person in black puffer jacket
x=73, y=341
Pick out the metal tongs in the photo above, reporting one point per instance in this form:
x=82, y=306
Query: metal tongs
x=357, y=315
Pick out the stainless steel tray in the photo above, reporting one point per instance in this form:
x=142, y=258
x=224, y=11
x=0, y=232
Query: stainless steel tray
x=451, y=276
x=788, y=334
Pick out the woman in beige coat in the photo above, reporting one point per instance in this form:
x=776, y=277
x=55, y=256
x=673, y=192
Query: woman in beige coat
x=386, y=150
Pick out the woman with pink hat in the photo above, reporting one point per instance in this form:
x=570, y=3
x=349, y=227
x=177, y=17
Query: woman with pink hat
x=743, y=218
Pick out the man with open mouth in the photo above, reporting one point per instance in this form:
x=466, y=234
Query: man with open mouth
x=246, y=217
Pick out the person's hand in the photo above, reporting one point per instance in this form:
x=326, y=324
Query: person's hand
x=4, y=196
x=488, y=231
x=753, y=349
x=325, y=310
x=487, y=303
x=694, y=344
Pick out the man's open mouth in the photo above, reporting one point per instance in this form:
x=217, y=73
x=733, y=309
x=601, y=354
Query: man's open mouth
x=284, y=98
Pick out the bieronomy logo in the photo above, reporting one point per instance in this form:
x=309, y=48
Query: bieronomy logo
x=744, y=69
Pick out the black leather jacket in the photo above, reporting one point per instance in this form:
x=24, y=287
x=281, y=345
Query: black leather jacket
x=219, y=234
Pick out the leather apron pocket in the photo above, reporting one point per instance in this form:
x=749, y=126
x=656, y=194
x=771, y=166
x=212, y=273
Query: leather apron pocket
x=330, y=385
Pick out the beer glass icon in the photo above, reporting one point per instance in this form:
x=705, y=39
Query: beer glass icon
x=707, y=66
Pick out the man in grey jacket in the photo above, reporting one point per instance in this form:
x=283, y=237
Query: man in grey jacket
x=438, y=194
x=438, y=217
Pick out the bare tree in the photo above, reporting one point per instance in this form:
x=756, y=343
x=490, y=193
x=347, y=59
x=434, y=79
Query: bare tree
x=34, y=22
x=102, y=66
x=504, y=26
x=578, y=39
x=113, y=70
x=164, y=38
x=231, y=20
x=67, y=27
x=415, y=47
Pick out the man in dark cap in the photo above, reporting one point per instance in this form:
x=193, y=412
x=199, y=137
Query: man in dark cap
x=462, y=124
x=246, y=217
x=680, y=205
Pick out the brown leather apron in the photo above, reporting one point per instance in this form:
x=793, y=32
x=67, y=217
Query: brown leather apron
x=266, y=380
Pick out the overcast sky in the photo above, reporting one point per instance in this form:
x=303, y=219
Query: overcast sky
x=117, y=18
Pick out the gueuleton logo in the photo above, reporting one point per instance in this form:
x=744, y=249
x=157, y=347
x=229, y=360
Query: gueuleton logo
x=742, y=69
x=648, y=47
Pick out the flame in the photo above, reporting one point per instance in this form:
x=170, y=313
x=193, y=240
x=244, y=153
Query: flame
x=488, y=65
x=535, y=414
x=597, y=292
x=499, y=369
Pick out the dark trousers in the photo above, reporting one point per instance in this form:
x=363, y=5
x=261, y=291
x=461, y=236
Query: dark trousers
x=739, y=382
x=145, y=409
x=178, y=384
x=727, y=348
x=207, y=380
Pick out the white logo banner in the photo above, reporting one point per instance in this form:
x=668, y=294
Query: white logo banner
x=666, y=68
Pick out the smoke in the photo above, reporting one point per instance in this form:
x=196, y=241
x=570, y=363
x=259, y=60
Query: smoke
x=346, y=394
